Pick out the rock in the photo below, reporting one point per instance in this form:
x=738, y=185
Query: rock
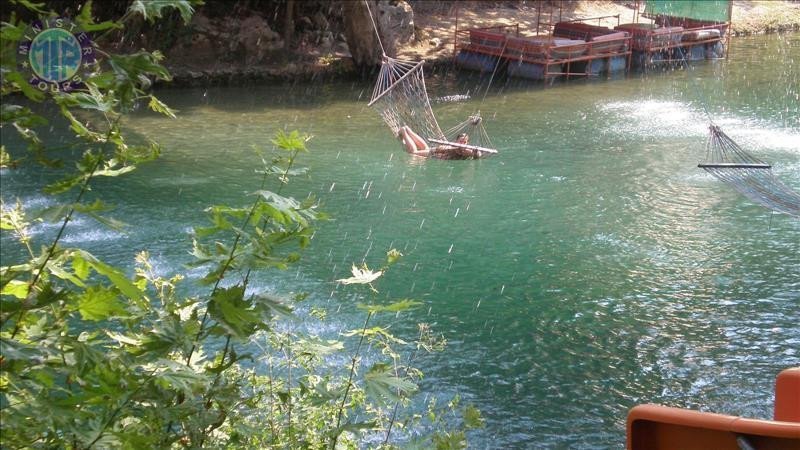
x=327, y=36
x=200, y=23
x=305, y=23
x=253, y=38
x=321, y=21
x=396, y=19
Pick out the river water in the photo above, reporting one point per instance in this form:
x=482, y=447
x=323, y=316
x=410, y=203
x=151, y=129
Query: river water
x=590, y=266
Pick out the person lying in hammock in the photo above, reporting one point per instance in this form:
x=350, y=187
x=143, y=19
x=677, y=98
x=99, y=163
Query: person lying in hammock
x=415, y=145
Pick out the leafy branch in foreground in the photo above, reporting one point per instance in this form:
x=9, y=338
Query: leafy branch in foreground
x=98, y=356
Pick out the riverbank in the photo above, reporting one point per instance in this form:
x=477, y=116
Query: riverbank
x=434, y=24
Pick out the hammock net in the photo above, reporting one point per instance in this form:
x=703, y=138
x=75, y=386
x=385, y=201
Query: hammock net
x=400, y=97
x=747, y=174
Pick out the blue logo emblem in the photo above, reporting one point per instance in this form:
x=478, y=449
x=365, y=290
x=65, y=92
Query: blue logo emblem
x=57, y=54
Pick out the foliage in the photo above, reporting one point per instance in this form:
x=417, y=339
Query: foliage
x=95, y=356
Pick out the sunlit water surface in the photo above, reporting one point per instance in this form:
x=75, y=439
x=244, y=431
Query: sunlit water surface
x=588, y=267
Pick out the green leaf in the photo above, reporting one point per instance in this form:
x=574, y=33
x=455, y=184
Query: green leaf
x=80, y=266
x=126, y=286
x=11, y=32
x=32, y=6
x=450, y=441
x=20, y=115
x=236, y=315
x=108, y=172
x=13, y=350
x=140, y=153
x=153, y=9
x=87, y=23
x=159, y=107
x=376, y=333
x=123, y=339
x=60, y=187
x=112, y=223
x=392, y=256
x=472, y=417
x=292, y=142
x=44, y=296
x=274, y=305
x=383, y=386
x=22, y=84
x=92, y=209
x=402, y=305
x=78, y=127
x=136, y=65
x=93, y=99
x=179, y=377
x=16, y=288
x=54, y=214
x=319, y=348
x=57, y=269
x=98, y=303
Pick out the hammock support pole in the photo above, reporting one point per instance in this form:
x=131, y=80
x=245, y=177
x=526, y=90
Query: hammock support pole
x=464, y=146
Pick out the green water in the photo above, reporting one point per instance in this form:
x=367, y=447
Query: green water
x=588, y=267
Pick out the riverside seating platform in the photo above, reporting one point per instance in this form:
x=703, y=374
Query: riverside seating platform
x=579, y=49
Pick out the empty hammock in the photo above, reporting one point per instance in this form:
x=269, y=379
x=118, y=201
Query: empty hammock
x=747, y=174
x=400, y=97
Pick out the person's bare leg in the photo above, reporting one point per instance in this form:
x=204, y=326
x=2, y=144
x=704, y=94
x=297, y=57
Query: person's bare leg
x=408, y=143
x=421, y=144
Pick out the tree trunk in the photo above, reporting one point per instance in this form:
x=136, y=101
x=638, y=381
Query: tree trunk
x=288, y=24
x=360, y=34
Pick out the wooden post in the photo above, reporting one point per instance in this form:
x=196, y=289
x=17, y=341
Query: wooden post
x=730, y=28
x=455, y=36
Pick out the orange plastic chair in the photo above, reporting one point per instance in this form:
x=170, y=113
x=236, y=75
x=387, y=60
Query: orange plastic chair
x=656, y=427
x=787, y=395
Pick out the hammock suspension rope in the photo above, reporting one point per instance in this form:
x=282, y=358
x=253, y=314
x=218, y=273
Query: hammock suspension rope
x=401, y=99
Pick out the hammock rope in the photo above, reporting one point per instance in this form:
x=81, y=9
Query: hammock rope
x=749, y=175
x=401, y=98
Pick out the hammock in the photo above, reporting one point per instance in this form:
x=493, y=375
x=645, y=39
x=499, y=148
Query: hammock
x=747, y=174
x=400, y=97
